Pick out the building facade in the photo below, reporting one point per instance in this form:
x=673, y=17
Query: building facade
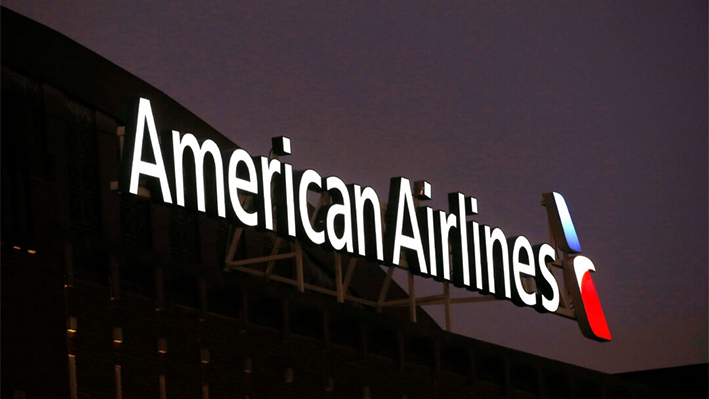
x=113, y=295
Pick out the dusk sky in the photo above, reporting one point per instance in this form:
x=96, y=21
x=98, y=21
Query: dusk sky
x=604, y=102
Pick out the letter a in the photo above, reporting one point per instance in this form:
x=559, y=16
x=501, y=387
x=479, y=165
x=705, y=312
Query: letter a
x=132, y=154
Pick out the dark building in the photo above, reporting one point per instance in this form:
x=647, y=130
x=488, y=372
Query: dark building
x=110, y=295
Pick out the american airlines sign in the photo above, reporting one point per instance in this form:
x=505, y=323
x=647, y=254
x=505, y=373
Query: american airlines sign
x=445, y=246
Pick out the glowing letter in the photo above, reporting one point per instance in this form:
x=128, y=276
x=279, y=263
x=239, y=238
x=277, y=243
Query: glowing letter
x=309, y=177
x=401, y=207
x=490, y=237
x=178, y=148
x=366, y=243
x=249, y=185
x=547, y=284
x=138, y=166
x=520, y=267
x=267, y=168
x=335, y=184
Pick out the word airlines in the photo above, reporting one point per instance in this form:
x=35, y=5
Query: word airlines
x=445, y=246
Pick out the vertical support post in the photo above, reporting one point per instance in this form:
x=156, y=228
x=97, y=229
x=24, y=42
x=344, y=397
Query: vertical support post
x=506, y=376
x=163, y=388
x=349, y=273
x=119, y=383
x=338, y=278
x=538, y=392
x=412, y=298
x=286, y=320
x=69, y=262
x=299, y=266
x=363, y=336
x=385, y=288
x=244, y=316
x=326, y=326
x=234, y=244
x=437, y=357
x=202, y=285
x=447, y=305
x=402, y=349
x=272, y=263
x=473, y=372
x=159, y=289
x=115, y=278
x=72, y=377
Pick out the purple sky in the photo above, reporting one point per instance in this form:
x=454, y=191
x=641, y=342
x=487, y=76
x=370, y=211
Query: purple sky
x=606, y=104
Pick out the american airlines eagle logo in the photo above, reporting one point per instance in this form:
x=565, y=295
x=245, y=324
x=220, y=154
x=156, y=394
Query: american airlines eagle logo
x=577, y=270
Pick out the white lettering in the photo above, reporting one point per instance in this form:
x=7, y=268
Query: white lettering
x=178, y=148
x=249, y=185
x=335, y=210
x=138, y=166
x=519, y=267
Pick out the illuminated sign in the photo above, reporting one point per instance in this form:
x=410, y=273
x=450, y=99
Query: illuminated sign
x=445, y=246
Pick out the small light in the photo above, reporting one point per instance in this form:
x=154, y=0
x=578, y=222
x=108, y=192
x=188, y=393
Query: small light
x=328, y=384
x=71, y=326
x=162, y=346
x=117, y=336
x=289, y=375
x=16, y=247
x=248, y=366
x=31, y=251
x=204, y=352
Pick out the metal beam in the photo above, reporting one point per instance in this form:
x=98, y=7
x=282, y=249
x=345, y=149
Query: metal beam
x=299, y=266
x=349, y=273
x=338, y=278
x=261, y=259
x=385, y=288
x=272, y=263
x=412, y=298
x=447, y=305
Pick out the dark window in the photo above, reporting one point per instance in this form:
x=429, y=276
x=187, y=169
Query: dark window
x=181, y=288
x=383, y=343
x=491, y=369
x=225, y=301
x=184, y=234
x=345, y=332
x=266, y=312
x=618, y=393
x=137, y=277
x=525, y=378
x=588, y=390
x=556, y=386
x=136, y=224
x=24, y=155
x=420, y=351
x=456, y=360
x=307, y=322
x=89, y=260
x=82, y=167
